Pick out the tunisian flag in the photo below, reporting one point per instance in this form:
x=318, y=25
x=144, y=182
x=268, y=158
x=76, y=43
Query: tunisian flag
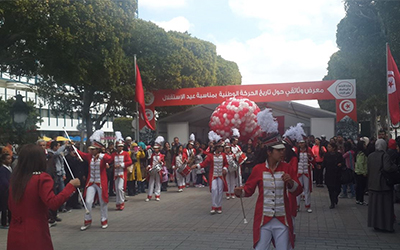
x=393, y=81
x=139, y=98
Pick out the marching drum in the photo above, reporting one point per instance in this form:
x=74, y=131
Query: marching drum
x=185, y=171
x=154, y=170
x=242, y=158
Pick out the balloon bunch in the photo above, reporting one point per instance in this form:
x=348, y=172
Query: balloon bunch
x=239, y=113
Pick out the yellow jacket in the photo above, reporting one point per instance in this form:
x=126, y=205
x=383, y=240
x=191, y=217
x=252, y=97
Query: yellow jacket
x=137, y=173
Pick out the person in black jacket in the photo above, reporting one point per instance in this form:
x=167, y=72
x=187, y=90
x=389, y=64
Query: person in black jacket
x=333, y=162
x=80, y=170
x=5, y=174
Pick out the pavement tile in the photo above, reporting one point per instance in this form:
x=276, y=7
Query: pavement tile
x=182, y=221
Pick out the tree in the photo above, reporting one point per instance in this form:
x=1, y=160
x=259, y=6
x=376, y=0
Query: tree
x=172, y=60
x=76, y=49
x=361, y=38
x=124, y=125
x=83, y=53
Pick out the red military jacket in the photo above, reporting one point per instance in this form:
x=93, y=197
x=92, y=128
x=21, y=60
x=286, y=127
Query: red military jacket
x=126, y=163
x=29, y=228
x=256, y=179
x=209, y=161
x=103, y=173
x=151, y=164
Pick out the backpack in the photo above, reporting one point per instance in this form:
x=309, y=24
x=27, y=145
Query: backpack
x=391, y=178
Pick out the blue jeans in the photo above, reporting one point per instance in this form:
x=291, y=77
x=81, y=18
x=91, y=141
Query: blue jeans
x=344, y=189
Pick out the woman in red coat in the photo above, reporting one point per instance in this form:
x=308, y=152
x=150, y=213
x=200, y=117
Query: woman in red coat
x=31, y=196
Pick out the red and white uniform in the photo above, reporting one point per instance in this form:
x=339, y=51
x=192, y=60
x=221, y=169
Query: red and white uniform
x=292, y=171
x=304, y=174
x=236, y=150
x=155, y=180
x=96, y=183
x=123, y=160
x=180, y=179
x=216, y=162
x=272, y=217
x=231, y=176
x=187, y=155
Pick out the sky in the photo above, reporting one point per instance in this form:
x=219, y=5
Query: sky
x=276, y=41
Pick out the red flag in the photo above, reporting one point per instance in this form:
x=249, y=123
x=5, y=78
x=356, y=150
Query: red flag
x=393, y=81
x=139, y=98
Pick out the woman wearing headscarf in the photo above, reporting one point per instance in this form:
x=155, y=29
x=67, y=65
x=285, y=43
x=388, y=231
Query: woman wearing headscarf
x=381, y=207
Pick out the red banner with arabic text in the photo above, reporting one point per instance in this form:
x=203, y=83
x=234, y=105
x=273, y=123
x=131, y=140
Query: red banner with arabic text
x=319, y=90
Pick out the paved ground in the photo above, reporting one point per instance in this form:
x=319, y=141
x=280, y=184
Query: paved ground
x=182, y=221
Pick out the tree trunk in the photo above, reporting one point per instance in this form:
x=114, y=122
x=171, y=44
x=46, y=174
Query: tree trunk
x=373, y=122
x=86, y=115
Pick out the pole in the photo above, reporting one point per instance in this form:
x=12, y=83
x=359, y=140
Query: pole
x=387, y=93
x=73, y=177
x=73, y=146
x=137, y=105
x=240, y=184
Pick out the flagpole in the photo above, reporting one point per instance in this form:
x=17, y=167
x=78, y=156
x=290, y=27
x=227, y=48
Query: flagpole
x=137, y=104
x=387, y=92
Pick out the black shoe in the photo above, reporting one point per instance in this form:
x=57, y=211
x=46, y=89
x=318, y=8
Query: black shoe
x=58, y=219
x=332, y=206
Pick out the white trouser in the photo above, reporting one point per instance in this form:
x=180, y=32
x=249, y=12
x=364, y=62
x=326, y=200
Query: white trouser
x=232, y=182
x=119, y=191
x=304, y=182
x=217, y=190
x=154, y=180
x=193, y=176
x=180, y=180
x=276, y=230
x=90, y=194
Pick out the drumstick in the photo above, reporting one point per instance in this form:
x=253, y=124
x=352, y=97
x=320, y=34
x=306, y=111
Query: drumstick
x=73, y=146
x=79, y=191
x=241, y=200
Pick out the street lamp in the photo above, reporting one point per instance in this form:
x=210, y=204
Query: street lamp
x=19, y=111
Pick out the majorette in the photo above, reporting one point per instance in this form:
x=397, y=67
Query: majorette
x=231, y=176
x=189, y=154
x=304, y=168
x=97, y=179
x=272, y=218
x=121, y=161
x=154, y=170
x=218, y=169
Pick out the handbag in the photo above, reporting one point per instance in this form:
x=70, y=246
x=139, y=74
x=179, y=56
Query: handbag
x=391, y=178
x=347, y=176
x=130, y=169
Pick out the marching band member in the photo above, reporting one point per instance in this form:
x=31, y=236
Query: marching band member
x=236, y=150
x=189, y=154
x=304, y=173
x=293, y=134
x=121, y=161
x=218, y=169
x=272, y=218
x=232, y=170
x=154, y=169
x=178, y=166
x=96, y=183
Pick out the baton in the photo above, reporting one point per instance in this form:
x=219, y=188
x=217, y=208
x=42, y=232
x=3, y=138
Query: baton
x=79, y=191
x=73, y=146
x=241, y=200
